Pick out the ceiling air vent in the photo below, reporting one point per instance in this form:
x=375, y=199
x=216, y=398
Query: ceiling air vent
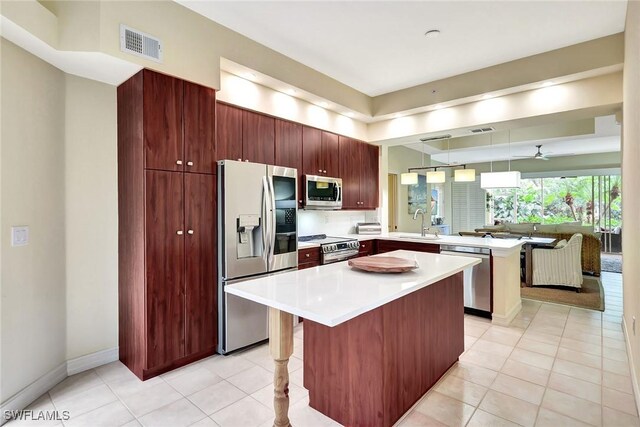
x=481, y=130
x=435, y=138
x=140, y=44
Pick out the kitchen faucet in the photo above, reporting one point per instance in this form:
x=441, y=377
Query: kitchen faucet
x=415, y=216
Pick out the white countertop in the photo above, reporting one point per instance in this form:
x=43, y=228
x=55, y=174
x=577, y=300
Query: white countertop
x=334, y=293
x=498, y=247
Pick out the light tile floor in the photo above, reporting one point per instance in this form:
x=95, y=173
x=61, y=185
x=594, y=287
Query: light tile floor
x=553, y=366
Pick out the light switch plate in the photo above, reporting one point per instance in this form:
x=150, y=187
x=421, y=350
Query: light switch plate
x=20, y=235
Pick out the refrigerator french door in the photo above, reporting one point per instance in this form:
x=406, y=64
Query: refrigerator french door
x=258, y=235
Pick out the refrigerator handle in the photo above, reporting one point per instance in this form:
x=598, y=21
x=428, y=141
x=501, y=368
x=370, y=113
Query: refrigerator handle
x=272, y=219
x=265, y=222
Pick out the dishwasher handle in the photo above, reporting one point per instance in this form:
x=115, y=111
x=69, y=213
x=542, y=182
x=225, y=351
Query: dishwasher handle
x=465, y=249
x=467, y=254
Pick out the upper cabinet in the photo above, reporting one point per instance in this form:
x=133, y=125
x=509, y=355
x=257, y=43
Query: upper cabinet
x=162, y=122
x=178, y=124
x=320, y=153
x=288, y=151
x=243, y=135
x=199, y=110
x=258, y=137
x=228, y=132
x=359, y=173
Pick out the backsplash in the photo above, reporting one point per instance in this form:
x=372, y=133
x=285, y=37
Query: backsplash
x=332, y=223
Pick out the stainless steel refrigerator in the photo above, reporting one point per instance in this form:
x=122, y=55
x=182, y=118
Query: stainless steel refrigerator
x=257, y=236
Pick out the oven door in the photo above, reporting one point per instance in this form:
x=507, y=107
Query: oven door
x=322, y=192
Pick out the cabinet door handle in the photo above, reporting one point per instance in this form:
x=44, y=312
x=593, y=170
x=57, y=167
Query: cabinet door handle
x=239, y=160
x=324, y=171
x=320, y=170
x=179, y=232
x=189, y=163
x=190, y=231
x=178, y=162
x=307, y=255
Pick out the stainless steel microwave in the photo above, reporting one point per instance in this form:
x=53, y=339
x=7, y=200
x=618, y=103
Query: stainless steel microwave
x=322, y=192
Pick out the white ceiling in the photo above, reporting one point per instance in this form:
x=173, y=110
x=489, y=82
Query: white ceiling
x=378, y=46
x=606, y=138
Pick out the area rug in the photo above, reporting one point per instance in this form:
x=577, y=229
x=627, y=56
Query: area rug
x=611, y=262
x=591, y=296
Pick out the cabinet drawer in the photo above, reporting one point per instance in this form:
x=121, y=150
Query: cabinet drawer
x=308, y=255
x=367, y=248
x=391, y=245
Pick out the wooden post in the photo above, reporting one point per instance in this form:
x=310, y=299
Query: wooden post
x=281, y=346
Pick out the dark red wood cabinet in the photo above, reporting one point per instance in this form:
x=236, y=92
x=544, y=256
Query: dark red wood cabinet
x=359, y=173
x=244, y=135
x=167, y=219
x=199, y=110
x=368, y=247
x=288, y=149
x=200, y=263
x=178, y=124
x=308, y=258
x=228, y=132
x=320, y=153
x=164, y=247
x=258, y=137
x=394, y=245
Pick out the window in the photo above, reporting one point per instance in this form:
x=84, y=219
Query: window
x=586, y=200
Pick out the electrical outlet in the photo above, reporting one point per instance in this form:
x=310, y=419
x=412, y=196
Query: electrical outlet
x=19, y=236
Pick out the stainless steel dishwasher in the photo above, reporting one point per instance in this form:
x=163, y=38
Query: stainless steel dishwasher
x=477, y=279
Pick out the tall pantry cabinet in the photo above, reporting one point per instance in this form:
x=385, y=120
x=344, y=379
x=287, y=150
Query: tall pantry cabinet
x=167, y=223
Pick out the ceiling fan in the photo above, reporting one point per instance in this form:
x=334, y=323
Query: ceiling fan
x=540, y=155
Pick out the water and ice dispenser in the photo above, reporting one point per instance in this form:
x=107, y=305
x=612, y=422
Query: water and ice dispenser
x=249, y=237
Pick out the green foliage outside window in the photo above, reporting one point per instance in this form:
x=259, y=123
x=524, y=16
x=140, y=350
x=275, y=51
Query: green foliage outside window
x=582, y=199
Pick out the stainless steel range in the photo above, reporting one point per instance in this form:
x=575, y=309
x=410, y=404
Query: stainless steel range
x=334, y=249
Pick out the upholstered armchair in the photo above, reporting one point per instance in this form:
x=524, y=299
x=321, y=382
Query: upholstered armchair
x=560, y=266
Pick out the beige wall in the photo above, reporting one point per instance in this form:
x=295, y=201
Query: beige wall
x=400, y=159
x=32, y=191
x=91, y=199
x=630, y=179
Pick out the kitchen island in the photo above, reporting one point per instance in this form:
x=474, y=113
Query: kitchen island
x=373, y=343
x=505, y=264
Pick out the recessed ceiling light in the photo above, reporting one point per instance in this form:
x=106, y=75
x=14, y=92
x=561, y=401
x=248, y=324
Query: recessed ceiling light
x=432, y=33
x=547, y=84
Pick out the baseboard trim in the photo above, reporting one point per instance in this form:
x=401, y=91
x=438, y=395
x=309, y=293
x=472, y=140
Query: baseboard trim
x=27, y=395
x=499, y=320
x=90, y=361
x=634, y=380
x=30, y=393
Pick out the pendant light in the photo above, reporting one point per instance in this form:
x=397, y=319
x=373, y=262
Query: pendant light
x=509, y=179
x=435, y=177
x=409, y=178
x=464, y=175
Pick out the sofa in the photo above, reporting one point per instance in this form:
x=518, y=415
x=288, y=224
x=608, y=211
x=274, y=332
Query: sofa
x=590, y=243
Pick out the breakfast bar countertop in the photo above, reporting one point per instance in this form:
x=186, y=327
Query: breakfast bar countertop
x=334, y=293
